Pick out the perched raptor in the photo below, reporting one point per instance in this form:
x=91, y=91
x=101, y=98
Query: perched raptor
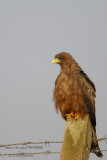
x=74, y=93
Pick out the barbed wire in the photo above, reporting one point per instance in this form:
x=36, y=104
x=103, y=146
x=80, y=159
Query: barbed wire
x=27, y=143
x=44, y=142
x=34, y=153
x=23, y=154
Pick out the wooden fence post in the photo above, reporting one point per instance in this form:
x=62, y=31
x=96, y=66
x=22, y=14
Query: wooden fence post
x=77, y=139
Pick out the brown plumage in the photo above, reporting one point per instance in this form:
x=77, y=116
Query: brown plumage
x=75, y=92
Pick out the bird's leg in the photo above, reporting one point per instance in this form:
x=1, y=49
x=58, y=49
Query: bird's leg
x=70, y=114
x=77, y=115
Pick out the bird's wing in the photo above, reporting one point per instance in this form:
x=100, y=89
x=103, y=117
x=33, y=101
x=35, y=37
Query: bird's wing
x=88, y=91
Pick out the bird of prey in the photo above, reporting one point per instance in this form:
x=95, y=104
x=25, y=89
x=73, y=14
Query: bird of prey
x=74, y=93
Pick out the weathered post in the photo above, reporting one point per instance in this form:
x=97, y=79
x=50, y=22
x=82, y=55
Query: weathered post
x=77, y=139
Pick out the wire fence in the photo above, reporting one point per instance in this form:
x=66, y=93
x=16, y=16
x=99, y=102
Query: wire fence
x=35, y=153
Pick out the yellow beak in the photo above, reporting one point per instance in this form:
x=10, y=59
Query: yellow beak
x=56, y=60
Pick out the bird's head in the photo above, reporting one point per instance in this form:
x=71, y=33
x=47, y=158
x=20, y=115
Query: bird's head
x=62, y=58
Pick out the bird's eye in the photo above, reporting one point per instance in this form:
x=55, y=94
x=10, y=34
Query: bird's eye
x=60, y=58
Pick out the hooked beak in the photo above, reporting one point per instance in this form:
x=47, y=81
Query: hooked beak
x=56, y=60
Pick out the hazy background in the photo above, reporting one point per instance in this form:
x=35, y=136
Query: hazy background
x=31, y=33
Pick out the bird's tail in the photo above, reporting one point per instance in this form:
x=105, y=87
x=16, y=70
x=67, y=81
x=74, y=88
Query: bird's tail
x=94, y=146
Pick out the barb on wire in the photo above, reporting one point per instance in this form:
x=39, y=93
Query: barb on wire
x=101, y=139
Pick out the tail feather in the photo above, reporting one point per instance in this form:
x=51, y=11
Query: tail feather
x=94, y=146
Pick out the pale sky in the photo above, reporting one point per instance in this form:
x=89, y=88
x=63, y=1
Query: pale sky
x=31, y=33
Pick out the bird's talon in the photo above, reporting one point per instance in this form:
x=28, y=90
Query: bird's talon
x=77, y=116
x=70, y=114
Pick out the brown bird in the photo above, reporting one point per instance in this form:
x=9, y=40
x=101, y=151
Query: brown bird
x=74, y=93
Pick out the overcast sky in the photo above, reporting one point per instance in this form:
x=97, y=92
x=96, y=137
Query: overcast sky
x=31, y=33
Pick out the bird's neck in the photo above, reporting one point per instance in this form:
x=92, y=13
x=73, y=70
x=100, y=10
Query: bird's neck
x=66, y=69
